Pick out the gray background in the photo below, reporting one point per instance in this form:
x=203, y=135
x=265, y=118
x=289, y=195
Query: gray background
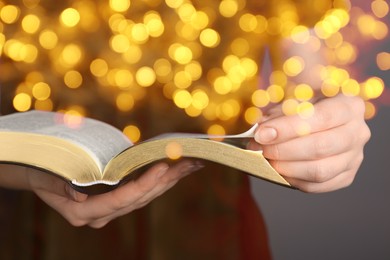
x=353, y=223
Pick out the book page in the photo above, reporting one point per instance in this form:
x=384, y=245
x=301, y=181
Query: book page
x=99, y=139
x=247, y=134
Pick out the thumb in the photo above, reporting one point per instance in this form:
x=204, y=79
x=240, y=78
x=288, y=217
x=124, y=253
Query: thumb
x=74, y=195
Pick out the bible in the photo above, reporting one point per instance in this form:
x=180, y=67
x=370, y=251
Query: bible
x=89, y=153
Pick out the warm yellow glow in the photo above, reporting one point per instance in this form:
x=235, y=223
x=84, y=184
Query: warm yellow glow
x=260, y=98
x=174, y=151
x=31, y=23
x=154, y=25
x=229, y=109
x=73, y=79
x=46, y=105
x=380, y=8
x=132, y=54
x=275, y=93
x=22, y=102
x=202, y=57
x=253, y=115
x=293, y=66
x=305, y=110
x=9, y=14
x=303, y=128
x=290, y=107
x=248, y=22
x=73, y=117
x=132, y=132
x=194, y=69
x=123, y=78
x=350, y=87
x=145, y=76
x=335, y=40
x=119, y=5
x=222, y=85
x=373, y=87
x=139, y=33
x=250, y=67
x=303, y=92
x=300, y=34
x=98, y=67
x=71, y=55
x=200, y=99
x=174, y=3
x=41, y=91
x=124, y=101
x=228, y=8
x=216, y=129
x=181, y=54
x=119, y=43
x=48, y=39
x=209, y=38
x=370, y=111
x=240, y=47
x=330, y=88
x=70, y=17
x=182, y=79
x=193, y=111
x=278, y=77
x=182, y=98
x=383, y=60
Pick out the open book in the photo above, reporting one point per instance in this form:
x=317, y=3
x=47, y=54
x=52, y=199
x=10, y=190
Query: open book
x=89, y=153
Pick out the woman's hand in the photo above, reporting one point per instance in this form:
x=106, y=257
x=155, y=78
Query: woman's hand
x=97, y=210
x=326, y=157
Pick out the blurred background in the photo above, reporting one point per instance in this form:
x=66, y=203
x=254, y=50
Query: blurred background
x=348, y=224
x=89, y=58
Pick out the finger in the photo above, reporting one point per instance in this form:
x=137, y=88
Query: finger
x=318, y=171
x=105, y=204
x=75, y=195
x=170, y=178
x=327, y=114
x=342, y=180
x=315, y=146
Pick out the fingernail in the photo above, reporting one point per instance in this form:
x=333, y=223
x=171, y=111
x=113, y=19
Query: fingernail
x=265, y=135
x=162, y=171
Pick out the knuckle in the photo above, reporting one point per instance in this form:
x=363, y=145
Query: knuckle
x=357, y=105
x=323, y=117
x=98, y=224
x=348, y=179
x=271, y=152
x=366, y=134
x=76, y=222
x=322, y=147
x=319, y=173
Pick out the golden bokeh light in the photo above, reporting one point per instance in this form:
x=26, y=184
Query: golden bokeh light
x=293, y=66
x=70, y=17
x=41, y=91
x=380, y=8
x=383, y=60
x=174, y=151
x=22, y=102
x=48, y=39
x=119, y=5
x=9, y=14
x=204, y=58
x=133, y=133
x=31, y=23
x=73, y=79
